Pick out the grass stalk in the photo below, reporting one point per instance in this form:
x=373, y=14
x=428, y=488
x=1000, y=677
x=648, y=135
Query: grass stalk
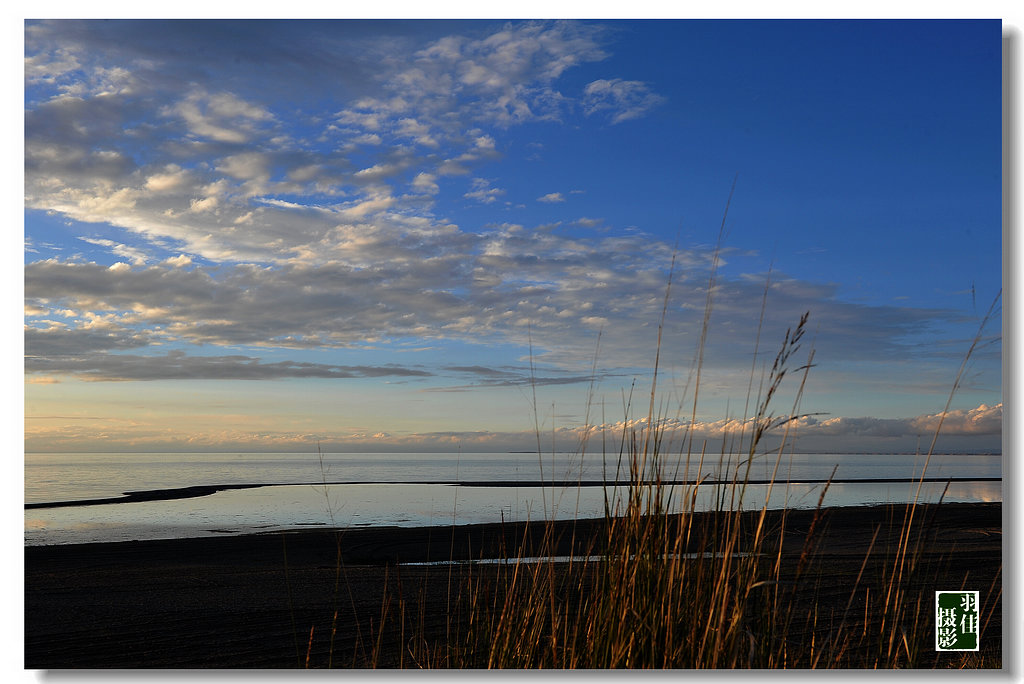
x=679, y=587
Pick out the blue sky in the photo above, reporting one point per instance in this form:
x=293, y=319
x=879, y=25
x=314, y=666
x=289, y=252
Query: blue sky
x=372, y=234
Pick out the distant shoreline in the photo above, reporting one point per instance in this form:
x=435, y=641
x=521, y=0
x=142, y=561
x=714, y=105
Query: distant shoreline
x=206, y=490
x=496, y=453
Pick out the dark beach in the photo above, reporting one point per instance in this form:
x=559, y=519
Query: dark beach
x=274, y=600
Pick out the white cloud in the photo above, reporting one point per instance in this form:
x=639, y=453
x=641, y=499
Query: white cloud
x=621, y=100
x=322, y=242
x=273, y=202
x=426, y=182
x=188, y=183
x=137, y=256
x=985, y=420
x=245, y=166
x=369, y=121
x=377, y=172
x=172, y=178
x=368, y=139
x=229, y=433
x=48, y=67
x=222, y=117
x=395, y=277
x=419, y=132
x=552, y=197
x=483, y=192
x=205, y=204
x=363, y=208
x=179, y=261
x=101, y=204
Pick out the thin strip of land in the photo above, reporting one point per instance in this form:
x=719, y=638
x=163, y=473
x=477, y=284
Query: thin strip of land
x=207, y=490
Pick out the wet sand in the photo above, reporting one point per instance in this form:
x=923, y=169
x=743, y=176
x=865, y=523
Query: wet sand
x=265, y=601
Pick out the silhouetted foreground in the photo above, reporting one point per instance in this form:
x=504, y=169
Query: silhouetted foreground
x=286, y=600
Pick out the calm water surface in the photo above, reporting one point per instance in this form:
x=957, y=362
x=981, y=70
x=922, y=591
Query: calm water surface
x=416, y=489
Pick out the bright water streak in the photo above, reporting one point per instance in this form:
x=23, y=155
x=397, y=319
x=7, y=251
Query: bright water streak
x=73, y=476
x=64, y=477
x=268, y=509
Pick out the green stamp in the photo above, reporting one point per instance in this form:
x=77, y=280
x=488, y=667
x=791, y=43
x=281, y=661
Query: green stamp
x=956, y=621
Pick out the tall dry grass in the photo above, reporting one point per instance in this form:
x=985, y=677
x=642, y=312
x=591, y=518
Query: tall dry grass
x=734, y=587
x=670, y=588
x=674, y=588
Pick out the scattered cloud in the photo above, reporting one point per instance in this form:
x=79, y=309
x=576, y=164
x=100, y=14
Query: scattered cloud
x=306, y=210
x=983, y=420
x=483, y=192
x=618, y=99
x=220, y=153
x=426, y=182
x=112, y=433
x=220, y=117
x=135, y=255
x=509, y=285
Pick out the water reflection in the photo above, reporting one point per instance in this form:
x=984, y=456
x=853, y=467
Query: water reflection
x=412, y=505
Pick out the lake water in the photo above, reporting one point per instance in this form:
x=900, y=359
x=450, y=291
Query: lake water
x=419, y=489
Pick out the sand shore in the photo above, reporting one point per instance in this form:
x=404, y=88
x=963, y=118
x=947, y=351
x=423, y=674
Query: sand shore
x=254, y=601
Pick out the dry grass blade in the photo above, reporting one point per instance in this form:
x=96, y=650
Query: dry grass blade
x=660, y=563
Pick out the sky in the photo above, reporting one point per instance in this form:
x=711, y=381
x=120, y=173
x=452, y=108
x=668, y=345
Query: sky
x=434, y=235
